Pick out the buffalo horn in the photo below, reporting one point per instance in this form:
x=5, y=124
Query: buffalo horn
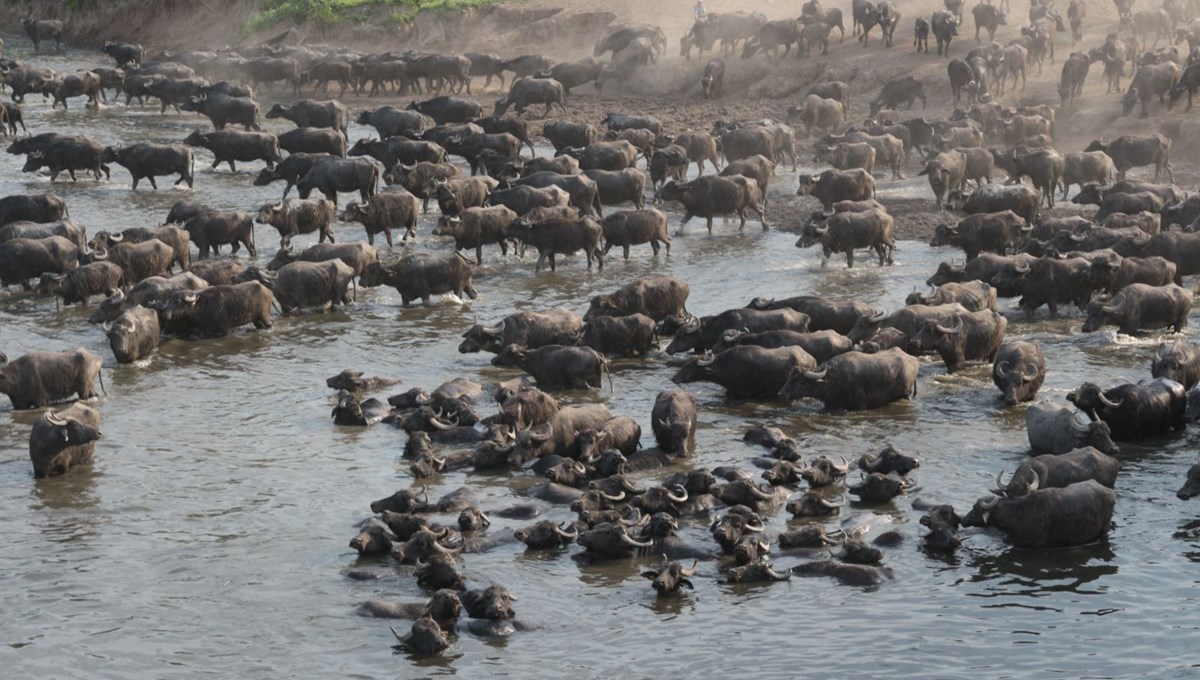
x=1000, y=480
x=776, y=575
x=816, y=375
x=1030, y=377
x=1108, y=402
x=569, y=535
x=691, y=571
x=100, y=254
x=115, y=238
x=680, y=497
x=759, y=493
x=611, y=498
x=1037, y=480
x=873, y=461
x=635, y=543
x=1112, y=308
x=55, y=419
x=951, y=331
x=1001, y=368
x=1021, y=268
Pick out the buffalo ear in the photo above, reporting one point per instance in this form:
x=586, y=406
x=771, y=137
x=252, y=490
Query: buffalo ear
x=686, y=582
x=923, y=172
x=650, y=574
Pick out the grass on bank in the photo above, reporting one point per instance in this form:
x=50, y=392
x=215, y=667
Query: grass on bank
x=329, y=12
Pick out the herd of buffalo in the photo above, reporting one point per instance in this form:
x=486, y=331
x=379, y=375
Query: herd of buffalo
x=1123, y=267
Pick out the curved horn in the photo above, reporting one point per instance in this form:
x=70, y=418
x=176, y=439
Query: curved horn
x=1037, y=481
x=816, y=375
x=844, y=467
x=1000, y=479
x=1027, y=377
x=100, y=254
x=951, y=331
x=878, y=318
x=1081, y=425
x=1001, y=368
x=635, y=543
x=610, y=497
x=776, y=575
x=826, y=504
x=55, y=419
x=1111, y=308
x=690, y=571
x=569, y=535
x=1022, y=268
x=760, y=494
x=1109, y=402
x=873, y=462
x=680, y=497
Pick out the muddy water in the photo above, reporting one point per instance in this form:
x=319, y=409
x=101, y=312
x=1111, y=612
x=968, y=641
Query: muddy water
x=210, y=536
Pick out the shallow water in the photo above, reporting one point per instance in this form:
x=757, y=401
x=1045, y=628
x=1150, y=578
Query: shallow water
x=210, y=536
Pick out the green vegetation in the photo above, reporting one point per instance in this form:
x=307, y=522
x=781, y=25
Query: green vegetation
x=350, y=11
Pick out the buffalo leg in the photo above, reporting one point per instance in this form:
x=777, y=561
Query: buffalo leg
x=710, y=225
x=599, y=260
x=626, y=246
x=552, y=265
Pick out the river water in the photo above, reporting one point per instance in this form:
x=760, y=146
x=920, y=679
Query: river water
x=210, y=537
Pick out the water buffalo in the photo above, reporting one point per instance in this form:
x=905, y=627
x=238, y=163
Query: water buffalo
x=855, y=381
x=39, y=208
x=22, y=259
x=973, y=295
x=1056, y=471
x=43, y=29
x=1058, y=429
x=1140, y=306
x=329, y=175
x=312, y=113
x=298, y=216
x=68, y=154
x=529, y=330
x=134, y=334
x=81, y=283
x=356, y=255
x=1074, y=515
x=1134, y=411
x=290, y=170
x=216, y=311
x=224, y=110
x=1133, y=151
x=656, y=297
x=61, y=440
x=314, y=140
x=635, y=227
x=423, y=276
x=389, y=121
x=382, y=212
x=559, y=236
x=747, y=372
x=1179, y=361
x=700, y=335
x=303, y=285
x=1018, y=371
x=832, y=186
x=230, y=146
x=477, y=227
x=846, y=231
x=976, y=336
x=147, y=161
x=525, y=92
x=710, y=195
x=38, y=379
